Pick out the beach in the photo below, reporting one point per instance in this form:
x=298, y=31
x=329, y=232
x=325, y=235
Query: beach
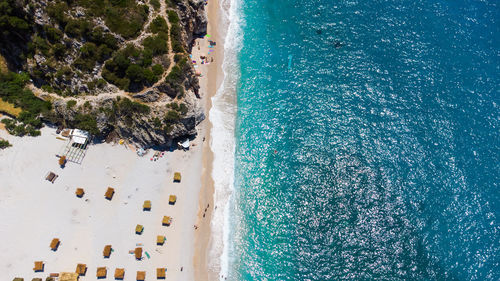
x=33, y=211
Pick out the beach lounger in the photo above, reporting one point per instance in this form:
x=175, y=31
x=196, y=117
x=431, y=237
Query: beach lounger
x=141, y=275
x=119, y=273
x=68, y=276
x=38, y=266
x=172, y=199
x=109, y=193
x=51, y=177
x=160, y=273
x=79, y=192
x=107, y=251
x=54, y=244
x=177, y=177
x=146, y=206
x=81, y=269
x=160, y=240
x=139, y=229
x=36, y=279
x=138, y=253
x=101, y=272
x=166, y=221
x=18, y=279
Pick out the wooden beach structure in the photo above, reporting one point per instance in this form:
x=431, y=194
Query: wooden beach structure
x=54, y=244
x=160, y=240
x=166, y=221
x=51, y=176
x=109, y=193
x=141, y=275
x=68, y=276
x=38, y=266
x=119, y=273
x=160, y=273
x=101, y=272
x=172, y=199
x=177, y=177
x=146, y=206
x=79, y=192
x=139, y=229
x=81, y=269
x=107, y=251
x=138, y=253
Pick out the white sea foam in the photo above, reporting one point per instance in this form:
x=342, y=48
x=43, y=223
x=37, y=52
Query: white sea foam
x=222, y=116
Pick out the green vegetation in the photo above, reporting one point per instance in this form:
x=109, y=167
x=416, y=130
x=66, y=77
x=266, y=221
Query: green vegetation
x=4, y=144
x=71, y=103
x=129, y=69
x=156, y=4
x=86, y=122
x=12, y=18
x=158, y=24
x=175, y=32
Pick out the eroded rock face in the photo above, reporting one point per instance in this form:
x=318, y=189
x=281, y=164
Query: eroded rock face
x=193, y=20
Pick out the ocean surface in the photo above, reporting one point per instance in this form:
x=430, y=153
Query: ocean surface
x=364, y=142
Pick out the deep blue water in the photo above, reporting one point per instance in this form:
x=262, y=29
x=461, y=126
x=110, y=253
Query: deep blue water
x=377, y=155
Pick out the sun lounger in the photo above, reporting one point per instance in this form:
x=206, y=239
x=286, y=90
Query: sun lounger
x=101, y=272
x=146, y=206
x=54, y=244
x=138, y=253
x=119, y=273
x=81, y=269
x=160, y=273
x=51, y=177
x=109, y=193
x=160, y=240
x=166, y=221
x=107, y=251
x=38, y=266
x=172, y=199
x=141, y=275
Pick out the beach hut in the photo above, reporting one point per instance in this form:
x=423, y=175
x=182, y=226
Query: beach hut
x=138, y=253
x=177, y=177
x=146, y=206
x=139, y=229
x=172, y=199
x=141, y=275
x=160, y=273
x=166, y=221
x=160, y=240
x=101, y=272
x=68, y=276
x=119, y=273
x=79, y=192
x=81, y=269
x=107, y=251
x=109, y=193
x=38, y=266
x=54, y=244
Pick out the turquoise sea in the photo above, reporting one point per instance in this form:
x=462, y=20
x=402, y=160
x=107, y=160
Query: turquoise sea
x=367, y=142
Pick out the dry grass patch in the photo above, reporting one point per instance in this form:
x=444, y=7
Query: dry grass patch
x=9, y=109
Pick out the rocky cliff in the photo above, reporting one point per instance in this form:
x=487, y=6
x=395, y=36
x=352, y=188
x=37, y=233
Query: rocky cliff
x=118, y=67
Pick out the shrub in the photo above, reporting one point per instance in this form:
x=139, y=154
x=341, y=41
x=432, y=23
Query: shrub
x=86, y=122
x=135, y=73
x=156, y=4
x=71, y=103
x=4, y=144
x=172, y=116
x=158, y=25
x=157, y=69
x=157, y=44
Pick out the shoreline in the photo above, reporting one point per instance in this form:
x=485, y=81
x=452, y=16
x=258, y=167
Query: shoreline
x=209, y=84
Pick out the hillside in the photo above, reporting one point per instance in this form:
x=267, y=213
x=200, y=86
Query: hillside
x=107, y=66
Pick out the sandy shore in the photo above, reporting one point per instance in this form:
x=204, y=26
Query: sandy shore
x=33, y=211
x=209, y=83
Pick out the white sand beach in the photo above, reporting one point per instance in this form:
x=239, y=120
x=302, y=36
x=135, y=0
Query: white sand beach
x=33, y=211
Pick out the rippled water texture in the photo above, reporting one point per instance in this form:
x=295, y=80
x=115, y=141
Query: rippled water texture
x=376, y=156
